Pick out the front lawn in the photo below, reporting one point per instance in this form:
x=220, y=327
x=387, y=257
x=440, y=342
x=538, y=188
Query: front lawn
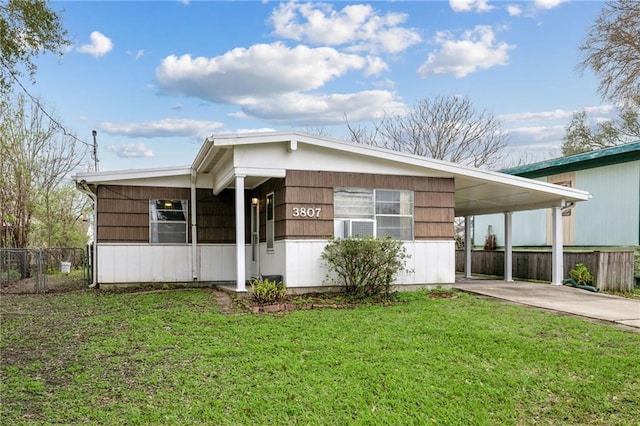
x=173, y=358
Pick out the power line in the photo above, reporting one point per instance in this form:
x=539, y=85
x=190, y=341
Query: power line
x=35, y=100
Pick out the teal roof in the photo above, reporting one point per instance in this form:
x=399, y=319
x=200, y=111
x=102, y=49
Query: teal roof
x=588, y=160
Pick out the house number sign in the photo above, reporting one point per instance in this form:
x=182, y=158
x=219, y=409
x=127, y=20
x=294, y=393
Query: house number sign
x=308, y=212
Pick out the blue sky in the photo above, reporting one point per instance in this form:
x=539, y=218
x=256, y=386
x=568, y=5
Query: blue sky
x=154, y=78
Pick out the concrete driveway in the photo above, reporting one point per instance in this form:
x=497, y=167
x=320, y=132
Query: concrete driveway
x=570, y=300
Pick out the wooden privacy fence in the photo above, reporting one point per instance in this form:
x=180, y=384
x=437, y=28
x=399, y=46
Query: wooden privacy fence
x=612, y=270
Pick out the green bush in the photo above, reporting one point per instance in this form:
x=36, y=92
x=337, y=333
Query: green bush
x=581, y=274
x=365, y=267
x=265, y=291
x=11, y=275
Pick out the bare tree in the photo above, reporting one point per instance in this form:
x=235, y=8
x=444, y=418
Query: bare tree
x=35, y=157
x=612, y=50
x=445, y=128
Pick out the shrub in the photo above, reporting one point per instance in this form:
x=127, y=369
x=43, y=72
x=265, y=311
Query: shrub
x=267, y=291
x=581, y=274
x=365, y=267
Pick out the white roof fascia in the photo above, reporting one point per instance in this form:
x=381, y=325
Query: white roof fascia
x=227, y=180
x=119, y=175
x=571, y=194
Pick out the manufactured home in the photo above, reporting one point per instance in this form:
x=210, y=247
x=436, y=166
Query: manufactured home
x=267, y=204
x=611, y=218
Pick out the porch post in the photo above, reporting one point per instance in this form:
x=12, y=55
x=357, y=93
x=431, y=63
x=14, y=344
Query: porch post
x=508, y=252
x=557, y=268
x=240, y=252
x=467, y=246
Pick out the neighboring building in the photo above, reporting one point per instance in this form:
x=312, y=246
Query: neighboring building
x=268, y=203
x=610, y=218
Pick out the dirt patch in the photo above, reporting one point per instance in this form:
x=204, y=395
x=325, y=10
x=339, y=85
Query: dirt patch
x=441, y=295
x=226, y=305
x=305, y=302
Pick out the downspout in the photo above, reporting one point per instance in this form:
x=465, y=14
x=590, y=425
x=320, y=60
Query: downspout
x=82, y=186
x=194, y=229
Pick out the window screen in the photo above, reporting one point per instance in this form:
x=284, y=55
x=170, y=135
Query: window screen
x=377, y=212
x=168, y=221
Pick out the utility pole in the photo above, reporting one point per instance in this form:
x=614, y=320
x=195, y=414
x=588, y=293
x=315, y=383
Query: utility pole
x=95, y=151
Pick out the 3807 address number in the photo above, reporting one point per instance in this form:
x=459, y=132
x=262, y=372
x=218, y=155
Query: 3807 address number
x=309, y=212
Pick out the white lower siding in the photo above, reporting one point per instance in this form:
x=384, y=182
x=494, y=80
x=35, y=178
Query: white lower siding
x=217, y=262
x=430, y=262
x=138, y=263
x=298, y=261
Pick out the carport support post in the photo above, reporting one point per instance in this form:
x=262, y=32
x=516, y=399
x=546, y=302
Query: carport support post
x=508, y=250
x=240, y=254
x=467, y=246
x=557, y=268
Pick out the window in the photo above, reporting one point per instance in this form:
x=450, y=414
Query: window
x=168, y=221
x=270, y=223
x=374, y=212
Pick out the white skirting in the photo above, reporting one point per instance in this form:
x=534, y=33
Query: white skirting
x=298, y=261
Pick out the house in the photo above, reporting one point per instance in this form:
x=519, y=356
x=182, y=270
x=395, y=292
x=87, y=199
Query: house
x=267, y=204
x=611, y=218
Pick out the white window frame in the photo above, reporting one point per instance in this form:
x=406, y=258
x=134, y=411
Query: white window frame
x=155, y=223
x=345, y=222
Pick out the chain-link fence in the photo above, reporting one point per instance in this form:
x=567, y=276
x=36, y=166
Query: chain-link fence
x=43, y=270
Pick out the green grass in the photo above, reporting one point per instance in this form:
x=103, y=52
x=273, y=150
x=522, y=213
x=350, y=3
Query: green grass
x=172, y=358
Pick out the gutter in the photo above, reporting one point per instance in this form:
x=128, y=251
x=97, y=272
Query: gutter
x=84, y=188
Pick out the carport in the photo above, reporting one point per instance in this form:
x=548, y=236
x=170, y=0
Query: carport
x=491, y=193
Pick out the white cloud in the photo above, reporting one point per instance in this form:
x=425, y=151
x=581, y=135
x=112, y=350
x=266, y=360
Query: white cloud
x=470, y=5
x=253, y=130
x=305, y=109
x=547, y=4
x=539, y=133
x=168, y=127
x=514, y=10
x=139, y=54
x=557, y=114
x=261, y=71
x=100, y=45
x=600, y=111
x=132, y=150
x=355, y=27
x=477, y=49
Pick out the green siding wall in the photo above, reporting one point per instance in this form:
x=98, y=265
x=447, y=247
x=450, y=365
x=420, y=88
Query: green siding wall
x=612, y=216
x=529, y=228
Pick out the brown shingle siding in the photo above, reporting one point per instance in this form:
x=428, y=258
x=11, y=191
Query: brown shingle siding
x=433, y=201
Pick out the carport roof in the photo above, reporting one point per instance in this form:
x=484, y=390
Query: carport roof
x=477, y=191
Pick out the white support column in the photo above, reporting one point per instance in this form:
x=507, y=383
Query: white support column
x=195, y=267
x=240, y=252
x=467, y=246
x=508, y=251
x=557, y=268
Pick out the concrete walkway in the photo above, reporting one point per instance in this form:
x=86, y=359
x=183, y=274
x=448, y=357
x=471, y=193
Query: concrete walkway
x=570, y=300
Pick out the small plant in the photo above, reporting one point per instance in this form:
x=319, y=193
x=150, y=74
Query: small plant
x=265, y=291
x=11, y=275
x=365, y=267
x=581, y=274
